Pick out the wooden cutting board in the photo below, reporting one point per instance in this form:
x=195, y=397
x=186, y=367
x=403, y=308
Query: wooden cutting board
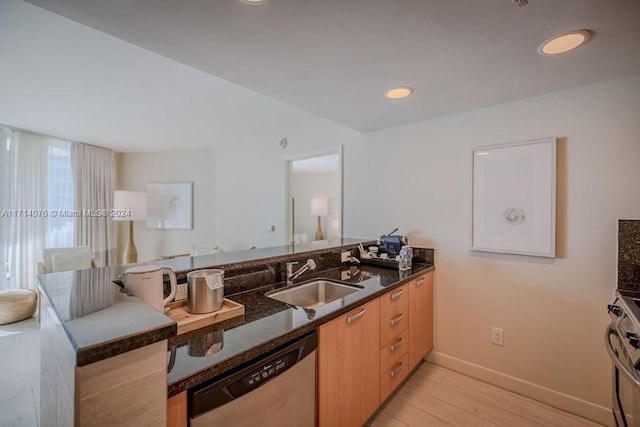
x=188, y=322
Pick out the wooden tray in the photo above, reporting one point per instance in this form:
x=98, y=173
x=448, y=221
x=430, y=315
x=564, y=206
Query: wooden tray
x=188, y=322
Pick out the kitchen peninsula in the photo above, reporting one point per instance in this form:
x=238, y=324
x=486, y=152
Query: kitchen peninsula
x=105, y=354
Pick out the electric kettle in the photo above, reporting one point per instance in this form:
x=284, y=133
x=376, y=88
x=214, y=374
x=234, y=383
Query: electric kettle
x=146, y=283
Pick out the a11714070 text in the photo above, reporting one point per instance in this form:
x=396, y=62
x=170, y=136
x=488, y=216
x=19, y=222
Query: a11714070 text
x=64, y=213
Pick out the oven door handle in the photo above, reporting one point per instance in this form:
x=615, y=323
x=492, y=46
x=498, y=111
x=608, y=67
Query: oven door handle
x=616, y=360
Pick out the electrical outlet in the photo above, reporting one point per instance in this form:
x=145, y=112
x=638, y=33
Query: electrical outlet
x=344, y=256
x=497, y=336
x=181, y=292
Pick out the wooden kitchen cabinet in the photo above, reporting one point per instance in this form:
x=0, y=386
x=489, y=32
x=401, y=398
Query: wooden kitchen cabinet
x=361, y=362
x=349, y=367
x=177, y=410
x=394, y=320
x=392, y=353
x=127, y=389
x=420, y=318
x=394, y=302
x=394, y=376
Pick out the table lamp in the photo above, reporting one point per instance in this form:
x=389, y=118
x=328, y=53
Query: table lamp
x=319, y=208
x=135, y=204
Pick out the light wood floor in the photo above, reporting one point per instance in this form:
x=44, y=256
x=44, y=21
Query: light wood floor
x=436, y=396
x=433, y=396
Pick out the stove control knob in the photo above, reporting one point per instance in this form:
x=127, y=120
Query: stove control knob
x=634, y=339
x=614, y=309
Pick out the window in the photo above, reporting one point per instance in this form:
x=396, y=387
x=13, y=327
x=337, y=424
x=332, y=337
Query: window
x=27, y=227
x=59, y=195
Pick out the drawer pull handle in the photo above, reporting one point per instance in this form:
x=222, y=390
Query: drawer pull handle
x=397, y=294
x=420, y=282
x=397, y=370
x=396, y=320
x=355, y=317
x=397, y=345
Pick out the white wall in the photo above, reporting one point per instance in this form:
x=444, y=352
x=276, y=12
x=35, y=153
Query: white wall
x=134, y=170
x=553, y=311
x=250, y=181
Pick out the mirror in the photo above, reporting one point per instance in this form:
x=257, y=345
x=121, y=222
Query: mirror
x=240, y=201
x=313, y=196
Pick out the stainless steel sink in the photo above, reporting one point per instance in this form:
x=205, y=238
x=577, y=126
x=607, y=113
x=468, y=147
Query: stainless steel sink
x=313, y=294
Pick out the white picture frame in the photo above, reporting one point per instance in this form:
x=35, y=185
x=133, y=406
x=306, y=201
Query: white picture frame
x=169, y=205
x=514, y=198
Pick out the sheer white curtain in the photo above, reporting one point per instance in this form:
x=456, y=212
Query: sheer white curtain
x=53, y=193
x=27, y=199
x=6, y=142
x=94, y=184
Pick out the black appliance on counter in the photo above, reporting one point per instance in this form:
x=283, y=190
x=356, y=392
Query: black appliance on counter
x=392, y=244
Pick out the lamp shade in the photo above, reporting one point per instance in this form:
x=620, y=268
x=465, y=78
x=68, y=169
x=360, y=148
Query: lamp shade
x=133, y=201
x=319, y=206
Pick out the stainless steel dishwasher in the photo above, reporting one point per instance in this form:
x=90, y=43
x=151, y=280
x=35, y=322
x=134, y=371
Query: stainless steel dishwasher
x=275, y=389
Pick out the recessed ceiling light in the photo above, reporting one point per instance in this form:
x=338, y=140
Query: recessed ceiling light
x=253, y=1
x=564, y=42
x=399, y=92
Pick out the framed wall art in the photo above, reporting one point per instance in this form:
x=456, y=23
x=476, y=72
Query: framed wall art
x=169, y=205
x=514, y=198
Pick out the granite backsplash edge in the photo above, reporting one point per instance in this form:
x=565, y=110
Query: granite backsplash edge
x=629, y=255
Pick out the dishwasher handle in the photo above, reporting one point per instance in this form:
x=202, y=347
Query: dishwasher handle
x=246, y=378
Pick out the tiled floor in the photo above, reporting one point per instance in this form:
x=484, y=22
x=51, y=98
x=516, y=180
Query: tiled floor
x=20, y=374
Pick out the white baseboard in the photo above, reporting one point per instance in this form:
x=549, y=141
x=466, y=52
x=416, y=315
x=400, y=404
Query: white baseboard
x=591, y=411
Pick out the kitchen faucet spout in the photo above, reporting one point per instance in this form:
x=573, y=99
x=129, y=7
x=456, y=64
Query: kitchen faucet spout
x=291, y=276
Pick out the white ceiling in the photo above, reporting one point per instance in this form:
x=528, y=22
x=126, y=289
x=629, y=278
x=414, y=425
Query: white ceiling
x=63, y=79
x=332, y=58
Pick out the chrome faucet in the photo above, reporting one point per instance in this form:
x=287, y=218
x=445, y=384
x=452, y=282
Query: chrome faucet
x=353, y=259
x=291, y=276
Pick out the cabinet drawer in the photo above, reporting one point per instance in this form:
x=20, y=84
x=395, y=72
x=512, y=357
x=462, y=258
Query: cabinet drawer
x=347, y=374
x=393, y=377
x=394, y=301
x=420, y=318
x=392, y=326
x=391, y=354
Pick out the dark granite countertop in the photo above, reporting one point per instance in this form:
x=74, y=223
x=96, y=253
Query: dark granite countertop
x=267, y=324
x=102, y=322
x=99, y=320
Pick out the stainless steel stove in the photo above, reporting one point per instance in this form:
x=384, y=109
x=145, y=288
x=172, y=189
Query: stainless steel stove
x=622, y=340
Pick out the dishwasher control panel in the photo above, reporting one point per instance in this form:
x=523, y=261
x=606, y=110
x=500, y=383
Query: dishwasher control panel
x=269, y=370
